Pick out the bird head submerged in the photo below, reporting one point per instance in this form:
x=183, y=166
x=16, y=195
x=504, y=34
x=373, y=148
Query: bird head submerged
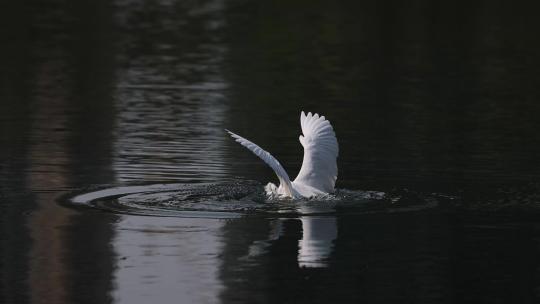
x=318, y=173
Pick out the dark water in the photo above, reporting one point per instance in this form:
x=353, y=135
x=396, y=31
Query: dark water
x=122, y=105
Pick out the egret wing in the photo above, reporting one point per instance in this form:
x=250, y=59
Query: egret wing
x=282, y=175
x=319, y=167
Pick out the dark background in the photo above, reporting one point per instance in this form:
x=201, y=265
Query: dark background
x=427, y=96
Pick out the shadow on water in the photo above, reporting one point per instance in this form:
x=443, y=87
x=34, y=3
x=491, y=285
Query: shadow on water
x=426, y=98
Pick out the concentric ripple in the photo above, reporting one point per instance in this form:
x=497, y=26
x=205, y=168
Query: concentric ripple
x=240, y=198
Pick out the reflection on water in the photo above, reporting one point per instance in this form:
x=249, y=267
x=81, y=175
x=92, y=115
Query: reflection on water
x=169, y=129
x=318, y=236
x=315, y=246
x=171, y=92
x=108, y=94
x=167, y=259
x=42, y=86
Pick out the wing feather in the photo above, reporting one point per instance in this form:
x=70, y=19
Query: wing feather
x=319, y=167
x=271, y=161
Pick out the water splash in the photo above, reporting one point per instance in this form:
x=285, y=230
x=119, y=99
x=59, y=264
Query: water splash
x=240, y=198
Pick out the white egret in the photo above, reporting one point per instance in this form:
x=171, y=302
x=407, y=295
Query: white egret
x=318, y=173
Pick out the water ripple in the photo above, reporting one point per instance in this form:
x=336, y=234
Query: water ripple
x=240, y=198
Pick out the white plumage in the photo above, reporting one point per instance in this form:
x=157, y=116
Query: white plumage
x=318, y=174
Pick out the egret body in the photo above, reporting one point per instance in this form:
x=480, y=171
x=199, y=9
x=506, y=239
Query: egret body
x=318, y=173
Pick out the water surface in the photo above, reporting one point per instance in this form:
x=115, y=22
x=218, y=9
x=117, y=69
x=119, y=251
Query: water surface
x=118, y=183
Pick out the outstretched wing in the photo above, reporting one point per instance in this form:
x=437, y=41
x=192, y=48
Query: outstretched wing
x=319, y=168
x=282, y=175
